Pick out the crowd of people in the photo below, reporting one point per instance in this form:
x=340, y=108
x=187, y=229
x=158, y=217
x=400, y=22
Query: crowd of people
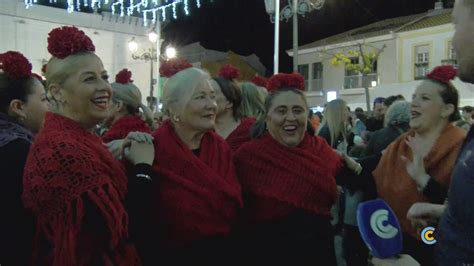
x=228, y=172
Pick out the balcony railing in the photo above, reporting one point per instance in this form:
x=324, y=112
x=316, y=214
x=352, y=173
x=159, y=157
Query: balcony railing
x=359, y=81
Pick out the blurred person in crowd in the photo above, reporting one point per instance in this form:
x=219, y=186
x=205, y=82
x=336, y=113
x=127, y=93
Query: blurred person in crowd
x=397, y=122
x=23, y=104
x=252, y=100
x=230, y=122
x=375, y=122
x=124, y=114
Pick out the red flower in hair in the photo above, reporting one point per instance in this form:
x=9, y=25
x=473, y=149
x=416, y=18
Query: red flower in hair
x=15, y=65
x=443, y=73
x=260, y=81
x=173, y=66
x=229, y=72
x=66, y=41
x=279, y=81
x=124, y=76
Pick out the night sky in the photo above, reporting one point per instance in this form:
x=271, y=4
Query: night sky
x=243, y=26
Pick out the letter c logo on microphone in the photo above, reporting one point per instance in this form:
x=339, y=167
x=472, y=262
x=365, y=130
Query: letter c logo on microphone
x=428, y=235
x=377, y=220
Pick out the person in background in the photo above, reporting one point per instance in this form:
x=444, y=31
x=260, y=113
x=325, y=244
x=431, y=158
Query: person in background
x=455, y=231
x=252, y=100
x=466, y=118
x=391, y=99
x=433, y=108
x=359, y=122
x=124, y=116
x=288, y=179
x=334, y=126
x=23, y=104
x=375, y=122
x=197, y=196
x=72, y=184
x=230, y=122
x=397, y=122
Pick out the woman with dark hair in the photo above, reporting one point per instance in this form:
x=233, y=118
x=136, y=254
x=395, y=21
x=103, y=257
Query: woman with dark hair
x=288, y=179
x=197, y=196
x=230, y=123
x=23, y=104
x=434, y=106
x=72, y=184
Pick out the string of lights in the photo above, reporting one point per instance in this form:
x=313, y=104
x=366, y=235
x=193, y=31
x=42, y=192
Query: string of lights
x=156, y=8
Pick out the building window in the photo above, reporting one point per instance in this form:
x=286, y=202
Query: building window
x=304, y=70
x=422, y=61
x=317, y=82
x=451, y=58
x=352, y=78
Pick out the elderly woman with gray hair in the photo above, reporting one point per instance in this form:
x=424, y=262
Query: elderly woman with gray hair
x=197, y=196
x=397, y=122
x=125, y=111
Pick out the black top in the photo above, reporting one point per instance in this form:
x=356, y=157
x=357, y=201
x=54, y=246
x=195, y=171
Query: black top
x=380, y=139
x=374, y=124
x=300, y=238
x=16, y=224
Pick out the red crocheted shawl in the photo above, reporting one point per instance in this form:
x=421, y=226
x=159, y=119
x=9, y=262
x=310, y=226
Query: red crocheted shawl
x=277, y=179
x=196, y=196
x=241, y=134
x=67, y=168
x=125, y=125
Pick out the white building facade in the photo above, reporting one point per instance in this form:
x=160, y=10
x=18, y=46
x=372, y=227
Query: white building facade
x=412, y=46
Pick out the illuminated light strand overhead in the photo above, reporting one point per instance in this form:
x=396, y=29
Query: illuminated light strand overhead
x=128, y=7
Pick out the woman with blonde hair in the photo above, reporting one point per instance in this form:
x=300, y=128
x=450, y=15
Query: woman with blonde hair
x=72, y=184
x=333, y=128
x=125, y=111
x=253, y=100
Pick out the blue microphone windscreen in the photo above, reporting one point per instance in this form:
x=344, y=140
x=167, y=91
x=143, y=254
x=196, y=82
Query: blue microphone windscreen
x=379, y=228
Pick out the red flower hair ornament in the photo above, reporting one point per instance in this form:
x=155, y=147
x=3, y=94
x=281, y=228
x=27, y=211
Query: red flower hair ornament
x=229, y=72
x=15, y=65
x=66, y=41
x=443, y=74
x=173, y=66
x=124, y=76
x=281, y=80
x=260, y=81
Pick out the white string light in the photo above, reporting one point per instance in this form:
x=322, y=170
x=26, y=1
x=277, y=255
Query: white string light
x=143, y=6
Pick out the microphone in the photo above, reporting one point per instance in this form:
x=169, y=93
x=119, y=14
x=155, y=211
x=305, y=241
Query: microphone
x=379, y=228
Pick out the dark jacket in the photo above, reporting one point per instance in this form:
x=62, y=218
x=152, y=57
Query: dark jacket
x=380, y=139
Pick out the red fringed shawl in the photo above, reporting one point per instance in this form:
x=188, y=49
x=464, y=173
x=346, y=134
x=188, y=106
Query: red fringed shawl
x=241, y=134
x=277, y=179
x=67, y=169
x=125, y=125
x=196, y=196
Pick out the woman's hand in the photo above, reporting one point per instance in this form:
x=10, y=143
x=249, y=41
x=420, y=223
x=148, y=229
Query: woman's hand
x=352, y=164
x=140, y=152
x=416, y=168
x=422, y=214
x=138, y=148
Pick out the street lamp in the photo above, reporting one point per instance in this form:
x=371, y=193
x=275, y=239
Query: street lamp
x=149, y=54
x=170, y=52
x=293, y=9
